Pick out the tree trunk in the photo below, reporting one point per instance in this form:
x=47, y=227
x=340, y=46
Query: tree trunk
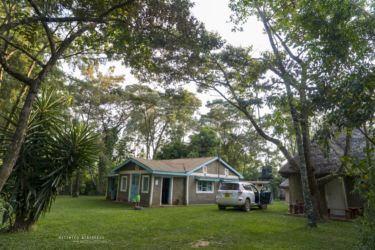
x=1, y=76
x=309, y=206
x=320, y=207
x=156, y=148
x=15, y=105
x=102, y=169
x=306, y=191
x=67, y=189
x=19, y=136
x=148, y=148
x=21, y=224
x=105, y=158
x=76, y=184
x=93, y=178
x=288, y=82
x=1, y=68
x=20, y=96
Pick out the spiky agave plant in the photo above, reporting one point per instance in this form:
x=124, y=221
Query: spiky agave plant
x=53, y=149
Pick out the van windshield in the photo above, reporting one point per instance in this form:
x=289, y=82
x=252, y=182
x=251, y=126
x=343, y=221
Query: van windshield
x=229, y=186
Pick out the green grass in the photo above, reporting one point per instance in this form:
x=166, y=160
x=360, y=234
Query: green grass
x=119, y=227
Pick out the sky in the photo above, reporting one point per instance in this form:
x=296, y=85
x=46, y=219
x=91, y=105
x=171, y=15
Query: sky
x=215, y=14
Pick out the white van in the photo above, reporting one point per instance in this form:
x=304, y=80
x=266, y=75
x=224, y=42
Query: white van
x=241, y=194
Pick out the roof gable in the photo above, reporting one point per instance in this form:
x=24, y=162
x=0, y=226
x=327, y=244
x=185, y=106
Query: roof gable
x=225, y=164
x=130, y=160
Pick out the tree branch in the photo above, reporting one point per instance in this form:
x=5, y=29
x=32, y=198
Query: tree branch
x=63, y=46
x=23, y=51
x=85, y=19
x=45, y=26
x=367, y=137
x=285, y=46
x=117, y=6
x=259, y=130
x=285, y=75
x=14, y=73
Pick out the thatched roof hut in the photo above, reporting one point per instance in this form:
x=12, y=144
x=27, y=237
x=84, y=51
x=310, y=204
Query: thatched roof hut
x=328, y=161
x=336, y=188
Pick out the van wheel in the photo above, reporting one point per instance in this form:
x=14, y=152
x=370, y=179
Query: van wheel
x=247, y=206
x=221, y=207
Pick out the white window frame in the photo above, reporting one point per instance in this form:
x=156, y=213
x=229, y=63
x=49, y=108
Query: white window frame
x=148, y=184
x=205, y=192
x=121, y=184
x=204, y=169
x=226, y=172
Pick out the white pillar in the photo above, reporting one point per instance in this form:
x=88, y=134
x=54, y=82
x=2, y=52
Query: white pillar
x=118, y=186
x=151, y=190
x=187, y=190
x=171, y=192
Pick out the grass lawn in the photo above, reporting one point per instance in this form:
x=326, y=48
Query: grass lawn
x=72, y=222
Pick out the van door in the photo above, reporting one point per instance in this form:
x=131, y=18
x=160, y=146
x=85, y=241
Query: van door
x=265, y=197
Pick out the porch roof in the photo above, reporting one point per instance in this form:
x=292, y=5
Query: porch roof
x=216, y=179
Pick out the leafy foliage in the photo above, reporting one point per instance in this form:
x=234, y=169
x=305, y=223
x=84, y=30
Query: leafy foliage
x=160, y=116
x=204, y=143
x=52, y=151
x=173, y=150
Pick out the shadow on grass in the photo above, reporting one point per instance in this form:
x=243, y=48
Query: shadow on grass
x=90, y=202
x=239, y=209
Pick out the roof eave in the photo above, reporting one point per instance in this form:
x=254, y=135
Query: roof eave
x=168, y=173
x=138, y=163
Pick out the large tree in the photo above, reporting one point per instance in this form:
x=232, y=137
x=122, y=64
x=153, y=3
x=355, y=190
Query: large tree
x=99, y=100
x=43, y=33
x=159, y=117
x=240, y=144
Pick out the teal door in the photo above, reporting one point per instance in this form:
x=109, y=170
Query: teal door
x=135, y=186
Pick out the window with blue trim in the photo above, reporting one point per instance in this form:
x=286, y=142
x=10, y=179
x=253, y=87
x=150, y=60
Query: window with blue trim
x=205, y=187
x=124, y=183
x=145, y=183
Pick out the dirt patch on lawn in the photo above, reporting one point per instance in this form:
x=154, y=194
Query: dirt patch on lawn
x=200, y=243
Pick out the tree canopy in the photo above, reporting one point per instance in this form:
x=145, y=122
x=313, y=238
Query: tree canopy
x=316, y=80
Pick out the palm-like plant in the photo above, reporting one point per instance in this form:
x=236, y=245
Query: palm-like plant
x=53, y=149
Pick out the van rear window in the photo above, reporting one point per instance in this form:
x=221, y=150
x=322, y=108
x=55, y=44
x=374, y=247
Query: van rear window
x=229, y=186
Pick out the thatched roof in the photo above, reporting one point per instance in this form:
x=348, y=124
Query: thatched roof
x=329, y=162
